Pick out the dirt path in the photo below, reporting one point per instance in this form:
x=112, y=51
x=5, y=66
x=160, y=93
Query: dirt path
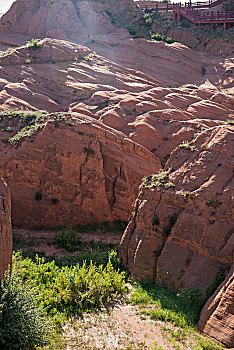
x=44, y=240
x=121, y=329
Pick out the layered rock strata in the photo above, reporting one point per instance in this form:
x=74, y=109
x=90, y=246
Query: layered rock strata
x=217, y=316
x=99, y=95
x=181, y=231
x=76, y=170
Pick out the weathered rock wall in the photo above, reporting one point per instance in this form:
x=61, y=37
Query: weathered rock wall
x=5, y=228
x=80, y=171
x=181, y=233
x=217, y=316
x=61, y=18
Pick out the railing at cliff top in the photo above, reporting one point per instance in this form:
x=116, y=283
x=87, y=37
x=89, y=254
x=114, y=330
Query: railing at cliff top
x=203, y=4
x=208, y=15
x=160, y=6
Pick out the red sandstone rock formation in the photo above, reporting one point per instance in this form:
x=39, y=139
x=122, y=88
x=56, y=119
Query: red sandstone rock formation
x=79, y=19
x=181, y=233
x=83, y=170
x=217, y=316
x=62, y=76
x=5, y=228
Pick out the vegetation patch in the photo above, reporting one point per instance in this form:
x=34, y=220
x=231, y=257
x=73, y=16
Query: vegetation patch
x=186, y=194
x=155, y=220
x=88, y=150
x=23, y=321
x=38, y=196
x=212, y=204
x=186, y=145
x=25, y=124
x=179, y=312
x=160, y=179
x=33, y=44
x=217, y=280
x=163, y=38
x=85, y=282
x=68, y=238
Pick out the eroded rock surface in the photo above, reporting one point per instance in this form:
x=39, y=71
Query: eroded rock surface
x=79, y=19
x=181, y=233
x=217, y=316
x=5, y=228
x=75, y=171
x=61, y=76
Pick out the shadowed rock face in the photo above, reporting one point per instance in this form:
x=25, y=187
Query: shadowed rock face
x=181, y=234
x=216, y=318
x=5, y=228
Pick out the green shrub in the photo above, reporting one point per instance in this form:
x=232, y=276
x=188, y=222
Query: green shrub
x=156, y=37
x=70, y=290
x=217, y=280
x=160, y=179
x=23, y=324
x=54, y=200
x=186, y=145
x=89, y=150
x=169, y=40
x=159, y=37
x=155, y=220
x=192, y=294
x=68, y=239
x=33, y=44
x=38, y=196
x=186, y=194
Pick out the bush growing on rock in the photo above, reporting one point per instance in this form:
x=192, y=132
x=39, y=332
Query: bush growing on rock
x=33, y=44
x=159, y=37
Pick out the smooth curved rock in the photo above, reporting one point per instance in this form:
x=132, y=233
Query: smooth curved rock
x=5, y=228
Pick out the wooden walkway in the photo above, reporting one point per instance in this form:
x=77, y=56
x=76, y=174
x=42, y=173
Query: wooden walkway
x=192, y=11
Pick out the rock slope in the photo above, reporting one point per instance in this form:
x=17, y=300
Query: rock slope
x=76, y=170
x=61, y=76
x=5, y=228
x=63, y=18
x=181, y=231
x=217, y=316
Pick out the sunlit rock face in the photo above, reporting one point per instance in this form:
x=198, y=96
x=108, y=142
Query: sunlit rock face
x=65, y=17
x=5, y=228
x=181, y=233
